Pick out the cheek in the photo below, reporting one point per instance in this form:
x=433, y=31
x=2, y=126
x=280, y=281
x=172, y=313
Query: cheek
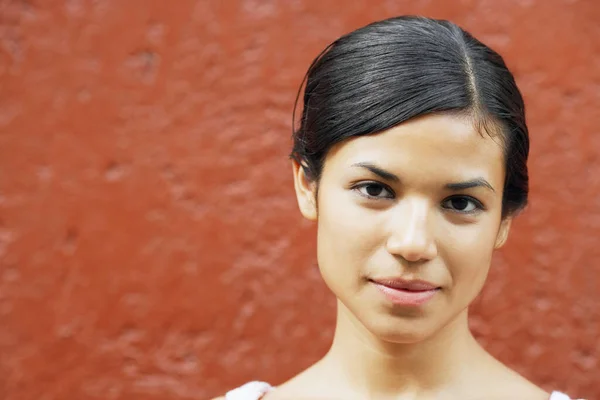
x=346, y=240
x=469, y=254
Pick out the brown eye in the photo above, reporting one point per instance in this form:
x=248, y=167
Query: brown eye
x=462, y=204
x=374, y=190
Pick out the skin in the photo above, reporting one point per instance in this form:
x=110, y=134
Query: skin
x=388, y=205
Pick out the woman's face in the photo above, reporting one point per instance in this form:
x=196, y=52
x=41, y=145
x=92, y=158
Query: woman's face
x=407, y=223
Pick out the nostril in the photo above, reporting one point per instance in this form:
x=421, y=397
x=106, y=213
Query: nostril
x=412, y=251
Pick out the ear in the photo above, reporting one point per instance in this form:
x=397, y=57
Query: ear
x=305, y=192
x=503, y=232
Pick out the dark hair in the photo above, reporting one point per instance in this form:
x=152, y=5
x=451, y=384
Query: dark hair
x=393, y=70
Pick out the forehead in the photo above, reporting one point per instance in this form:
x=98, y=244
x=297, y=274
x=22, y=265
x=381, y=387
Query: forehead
x=434, y=145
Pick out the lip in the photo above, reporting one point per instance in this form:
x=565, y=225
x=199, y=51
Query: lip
x=406, y=292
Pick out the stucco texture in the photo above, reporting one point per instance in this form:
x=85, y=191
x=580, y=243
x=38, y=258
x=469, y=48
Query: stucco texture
x=150, y=243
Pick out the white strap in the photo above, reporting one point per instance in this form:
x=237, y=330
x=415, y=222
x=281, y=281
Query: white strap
x=250, y=391
x=559, y=396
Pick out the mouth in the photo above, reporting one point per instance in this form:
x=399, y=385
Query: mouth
x=406, y=292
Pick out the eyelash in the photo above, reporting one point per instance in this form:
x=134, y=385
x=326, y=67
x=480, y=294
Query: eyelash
x=478, y=205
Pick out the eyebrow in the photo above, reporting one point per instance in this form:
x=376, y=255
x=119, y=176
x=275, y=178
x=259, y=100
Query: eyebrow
x=457, y=186
x=473, y=183
x=377, y=171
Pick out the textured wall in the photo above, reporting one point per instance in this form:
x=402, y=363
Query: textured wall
x=150, y=246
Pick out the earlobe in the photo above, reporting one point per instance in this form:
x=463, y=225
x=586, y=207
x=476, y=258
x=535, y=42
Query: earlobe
x=305, y=192
x=502, y=235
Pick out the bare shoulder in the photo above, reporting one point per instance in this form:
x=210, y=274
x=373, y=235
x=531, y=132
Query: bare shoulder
x=219, y=398
x=512, y=390
x=510, y=384
x=528, y=390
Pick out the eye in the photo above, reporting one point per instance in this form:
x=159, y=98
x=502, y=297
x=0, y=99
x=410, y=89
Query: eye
x=374, y=190
x=463, y=204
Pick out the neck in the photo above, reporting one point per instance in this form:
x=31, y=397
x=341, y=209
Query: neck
x=377, y=368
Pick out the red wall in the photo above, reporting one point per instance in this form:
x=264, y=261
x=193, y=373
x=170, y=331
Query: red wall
x=150, y=245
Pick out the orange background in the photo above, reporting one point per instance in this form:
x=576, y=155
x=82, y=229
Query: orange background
x=150, y=245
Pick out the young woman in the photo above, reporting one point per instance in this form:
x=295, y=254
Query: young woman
x=411, y=156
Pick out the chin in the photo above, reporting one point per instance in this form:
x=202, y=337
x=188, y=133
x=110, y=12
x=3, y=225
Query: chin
x=401, y=330
x=402, y=336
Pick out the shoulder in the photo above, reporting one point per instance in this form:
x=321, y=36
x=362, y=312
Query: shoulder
x=534, y=393
x=219, y=398
x=515, y=390
x=521, y=388
x=497, y=381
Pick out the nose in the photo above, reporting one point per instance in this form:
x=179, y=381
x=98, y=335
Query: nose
x=411, y=235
